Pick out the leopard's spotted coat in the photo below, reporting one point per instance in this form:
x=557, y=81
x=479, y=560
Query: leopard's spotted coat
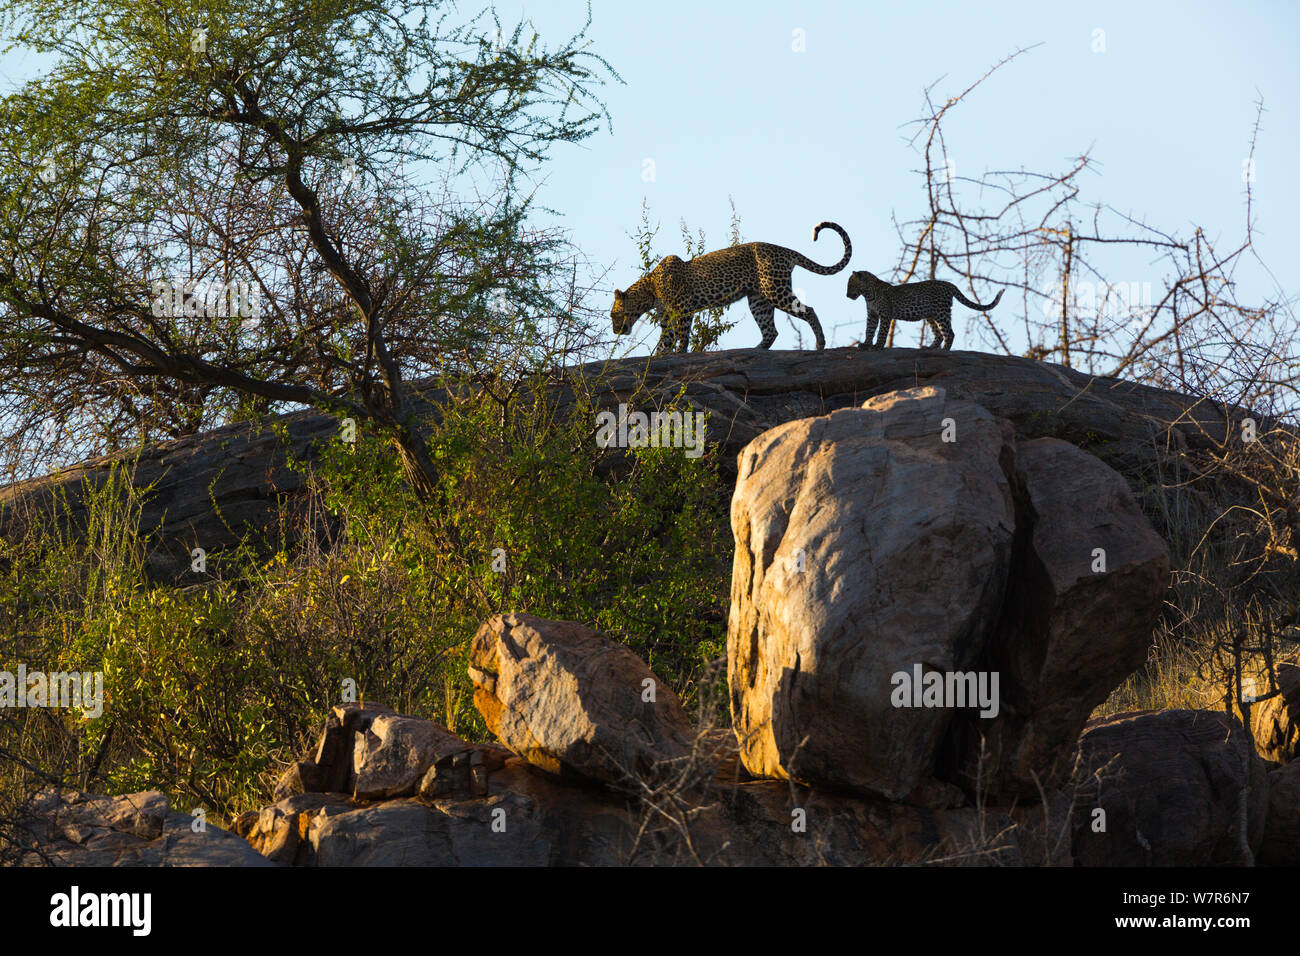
x=757, y=271
x=930, y=300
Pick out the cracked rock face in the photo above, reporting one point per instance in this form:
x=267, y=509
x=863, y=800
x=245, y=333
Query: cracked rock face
x=1087, y=583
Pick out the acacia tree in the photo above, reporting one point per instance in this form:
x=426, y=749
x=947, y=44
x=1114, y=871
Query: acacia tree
x=276, y=153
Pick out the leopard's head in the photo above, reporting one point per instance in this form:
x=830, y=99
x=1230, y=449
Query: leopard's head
x=861, y=283
x=628, y=307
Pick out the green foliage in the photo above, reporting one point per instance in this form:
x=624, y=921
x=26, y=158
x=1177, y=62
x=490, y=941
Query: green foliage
x=520, y=488
x=709, y=325
x=212, y=689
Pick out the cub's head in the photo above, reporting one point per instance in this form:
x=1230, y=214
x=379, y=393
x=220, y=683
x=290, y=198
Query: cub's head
x=862, y=283
x=628, y=307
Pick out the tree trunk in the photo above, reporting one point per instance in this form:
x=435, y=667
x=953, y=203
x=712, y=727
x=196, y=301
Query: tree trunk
x=416, y=464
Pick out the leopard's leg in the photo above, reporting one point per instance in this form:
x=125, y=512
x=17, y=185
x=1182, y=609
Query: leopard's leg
x=764, y=314
x=792, y=305
x=672, y=339
x=946, y=322
x=873, y=319
x=809, y=315
x=665, y=344
x=775, y=288
x=937, y=328
x=886, y=323
x=684, y=333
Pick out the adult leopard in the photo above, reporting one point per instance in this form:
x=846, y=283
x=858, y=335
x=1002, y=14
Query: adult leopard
x=757, y=271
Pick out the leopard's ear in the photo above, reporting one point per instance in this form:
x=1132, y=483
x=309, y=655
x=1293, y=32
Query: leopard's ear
x=618, y=294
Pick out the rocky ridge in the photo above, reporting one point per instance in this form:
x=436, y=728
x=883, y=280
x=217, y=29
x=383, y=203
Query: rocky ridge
x=881, y=550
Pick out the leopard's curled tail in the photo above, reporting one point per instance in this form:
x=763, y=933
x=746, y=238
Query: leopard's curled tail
x=975, y=305
x=805, y=263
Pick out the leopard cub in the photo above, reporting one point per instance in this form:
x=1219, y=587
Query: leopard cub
x=930, y=300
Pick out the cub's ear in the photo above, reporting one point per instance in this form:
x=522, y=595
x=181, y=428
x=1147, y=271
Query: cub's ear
x=618, y=294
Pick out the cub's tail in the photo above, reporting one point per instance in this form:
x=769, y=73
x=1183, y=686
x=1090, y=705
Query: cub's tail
x=975, y=305
x=811, y=266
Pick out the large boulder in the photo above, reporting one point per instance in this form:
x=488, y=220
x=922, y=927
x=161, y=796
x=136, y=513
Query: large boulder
x=502, y=830
x=872, y=548
x=1088, y=582
x=70, y=828
x=1174, y=787
x=574, y=702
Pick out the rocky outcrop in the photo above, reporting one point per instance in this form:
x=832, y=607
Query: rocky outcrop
x=521, y=815
x=1166, y=781
x=931, y=592
x=69, y=828
x=870, y=543
x=915, y=595
x=574, y=702
x=1173, y=787
x=211, y=489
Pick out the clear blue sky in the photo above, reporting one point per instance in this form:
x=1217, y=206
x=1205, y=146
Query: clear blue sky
x=718, y=98
x=720, y=101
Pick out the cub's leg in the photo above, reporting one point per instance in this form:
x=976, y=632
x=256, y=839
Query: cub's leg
x=886, y=323
x=763, y=314
x=873, y=319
